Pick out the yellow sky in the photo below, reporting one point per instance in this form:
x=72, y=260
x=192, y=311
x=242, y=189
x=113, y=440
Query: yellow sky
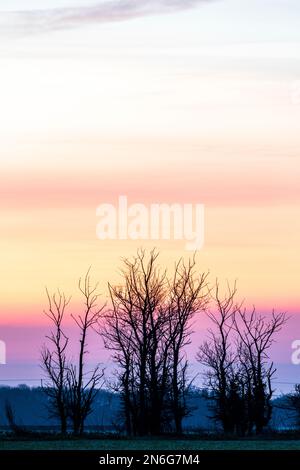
x=201, y=106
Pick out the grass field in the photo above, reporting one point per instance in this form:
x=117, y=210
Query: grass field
x=171, y=445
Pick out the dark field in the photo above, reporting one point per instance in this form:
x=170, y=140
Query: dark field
x=107, y=444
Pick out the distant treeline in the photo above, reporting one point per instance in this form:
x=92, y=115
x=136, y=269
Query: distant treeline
x=30, y=410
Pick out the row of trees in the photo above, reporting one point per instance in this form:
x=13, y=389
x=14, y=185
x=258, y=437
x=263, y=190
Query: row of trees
x=147, y=327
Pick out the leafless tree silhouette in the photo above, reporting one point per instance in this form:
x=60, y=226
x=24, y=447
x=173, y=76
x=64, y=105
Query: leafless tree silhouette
x=133, y=330
x=218, y=355
x=54, y=360
x=256, y=336
x=147, y=328
x=239, y=370
x=70, y=387
x=188, y=294
x=17, y=429
x=82, y=384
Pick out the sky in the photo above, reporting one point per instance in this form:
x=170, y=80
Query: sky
x=164, y=101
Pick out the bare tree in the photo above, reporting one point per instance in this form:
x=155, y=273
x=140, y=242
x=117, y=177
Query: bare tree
x=133, y=330
x=256, y=336
x=147, y=329
x=218, y=355
x=70, y=388
x=82, y=384
x=188, y=295
x=17, y=429
x=54, y=360
x=239, y=370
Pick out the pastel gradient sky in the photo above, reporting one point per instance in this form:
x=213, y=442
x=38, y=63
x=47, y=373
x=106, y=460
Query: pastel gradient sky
x=163, y=101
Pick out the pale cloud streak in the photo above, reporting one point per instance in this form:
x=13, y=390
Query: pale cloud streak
x=17, y=23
